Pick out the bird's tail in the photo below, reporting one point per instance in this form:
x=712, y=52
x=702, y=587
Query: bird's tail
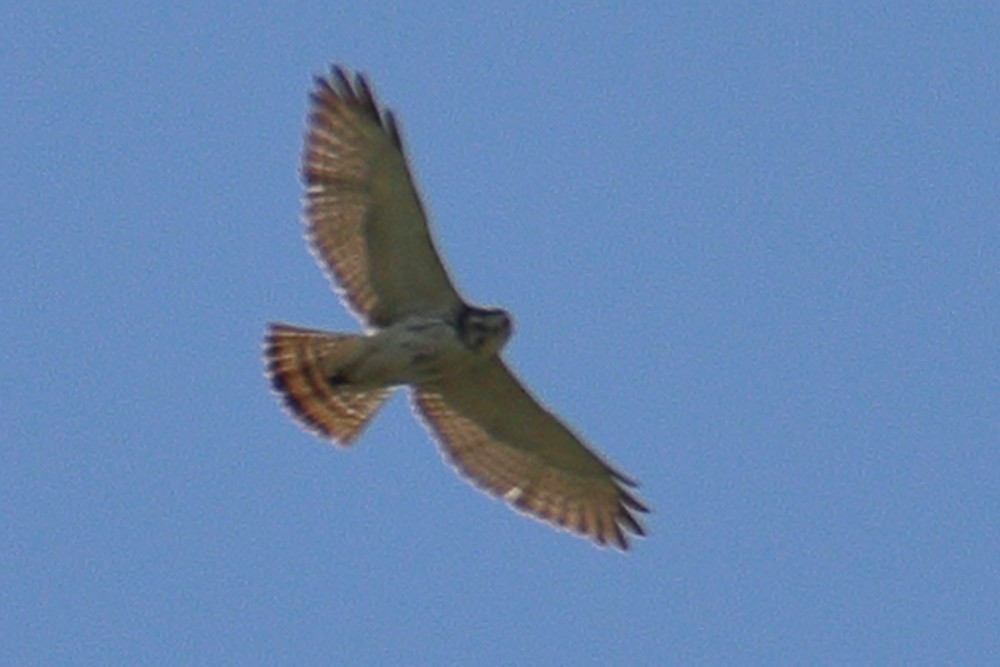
x=306, y=369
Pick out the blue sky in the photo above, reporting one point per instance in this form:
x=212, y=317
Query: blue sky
x=753, y=253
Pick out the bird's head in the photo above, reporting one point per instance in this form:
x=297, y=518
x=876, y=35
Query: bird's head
x=485, y=330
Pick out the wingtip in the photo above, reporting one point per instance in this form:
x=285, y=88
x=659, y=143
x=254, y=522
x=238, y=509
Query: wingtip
x=340, y=78
x=355, y=90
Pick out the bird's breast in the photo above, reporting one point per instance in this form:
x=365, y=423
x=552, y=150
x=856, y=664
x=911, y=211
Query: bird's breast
x=414, y=351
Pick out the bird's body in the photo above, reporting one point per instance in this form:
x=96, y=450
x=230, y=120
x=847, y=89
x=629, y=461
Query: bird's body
x=367, y=227
x=416, y=350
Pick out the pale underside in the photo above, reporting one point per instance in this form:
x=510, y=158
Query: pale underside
x=368, y=229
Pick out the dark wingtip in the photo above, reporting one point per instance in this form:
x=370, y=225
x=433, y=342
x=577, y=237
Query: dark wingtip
x=622, y=477
x=632, y=524
x=632, y=502
x=355, y=91
x=619, y=538
x=338, y=75
x=392, y=127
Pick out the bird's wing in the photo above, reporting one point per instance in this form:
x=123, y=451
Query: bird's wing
x=365, y=221
x=500, y=438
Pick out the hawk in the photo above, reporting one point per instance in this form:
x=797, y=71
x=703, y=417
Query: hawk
x=367, y=228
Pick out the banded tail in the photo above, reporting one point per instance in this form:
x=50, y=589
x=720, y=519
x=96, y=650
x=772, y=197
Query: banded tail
x=304, y=365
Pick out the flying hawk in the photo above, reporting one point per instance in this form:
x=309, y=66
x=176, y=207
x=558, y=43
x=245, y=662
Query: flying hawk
x=368, y=229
